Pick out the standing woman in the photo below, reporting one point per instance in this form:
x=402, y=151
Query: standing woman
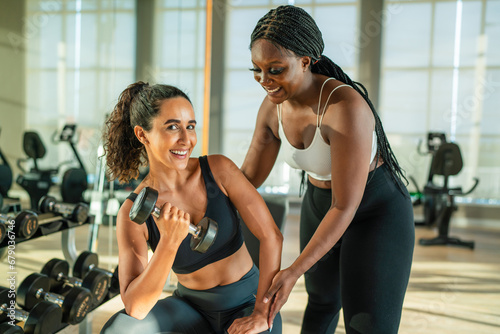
x=356, y=226
x=155, y=125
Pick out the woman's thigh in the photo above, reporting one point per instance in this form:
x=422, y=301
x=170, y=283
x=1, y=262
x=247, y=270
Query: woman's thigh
x=171, y=315
x=375, y=262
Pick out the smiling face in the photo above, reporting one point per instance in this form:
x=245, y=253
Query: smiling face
x=280, y=72
x=172, y=137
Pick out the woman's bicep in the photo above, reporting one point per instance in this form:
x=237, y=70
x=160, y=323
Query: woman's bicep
x=132, y=247
x=255, y=213
x=247, y=200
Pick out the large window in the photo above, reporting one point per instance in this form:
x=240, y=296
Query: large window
x=179, y=52
x=80, y=56
x=441, y=72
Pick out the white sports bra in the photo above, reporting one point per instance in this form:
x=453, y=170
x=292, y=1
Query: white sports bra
x=315, y=159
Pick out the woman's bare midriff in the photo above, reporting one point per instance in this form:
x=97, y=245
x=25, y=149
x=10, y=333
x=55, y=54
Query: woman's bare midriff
x=222, y=272
x=328, y=184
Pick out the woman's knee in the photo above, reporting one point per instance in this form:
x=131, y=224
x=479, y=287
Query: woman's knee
x=121, y=323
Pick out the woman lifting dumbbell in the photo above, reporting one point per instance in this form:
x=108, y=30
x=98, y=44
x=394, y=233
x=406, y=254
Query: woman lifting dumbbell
x=217, y=280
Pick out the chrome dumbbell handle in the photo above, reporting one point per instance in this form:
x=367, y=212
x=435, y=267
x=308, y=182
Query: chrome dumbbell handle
x=19, y=315
x=193, y=230
x=50, y=297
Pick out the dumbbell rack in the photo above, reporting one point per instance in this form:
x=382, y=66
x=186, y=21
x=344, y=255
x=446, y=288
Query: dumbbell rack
x=50, y=223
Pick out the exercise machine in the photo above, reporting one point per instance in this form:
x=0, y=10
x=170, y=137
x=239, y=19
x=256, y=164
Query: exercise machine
x=74, y=180
x=432, y=203
x=5, y=176
x=446, y=162
x=7, y=203
x=36, y=181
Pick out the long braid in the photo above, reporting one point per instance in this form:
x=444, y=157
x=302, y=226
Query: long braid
x=327, y=67
x=293, y=29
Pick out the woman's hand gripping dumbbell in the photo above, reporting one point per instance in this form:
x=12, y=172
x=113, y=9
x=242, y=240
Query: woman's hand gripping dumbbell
x=203, y=233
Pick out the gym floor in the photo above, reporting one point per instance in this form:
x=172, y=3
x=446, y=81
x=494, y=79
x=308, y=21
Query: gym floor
x=451, y=289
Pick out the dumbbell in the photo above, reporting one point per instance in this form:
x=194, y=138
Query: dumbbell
x=203, y=234
x=95, y=281
x=75, y=304
x=25, y=223
x=75, y=212
x=5, y=328
x=3, y=232
x=87, y=261
x=45, y=317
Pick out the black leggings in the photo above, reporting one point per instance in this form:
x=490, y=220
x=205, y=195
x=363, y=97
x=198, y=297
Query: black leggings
x=189, y=311
x=366, y=273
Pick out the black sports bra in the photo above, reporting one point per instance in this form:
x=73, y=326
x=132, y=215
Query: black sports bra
x=219, y=208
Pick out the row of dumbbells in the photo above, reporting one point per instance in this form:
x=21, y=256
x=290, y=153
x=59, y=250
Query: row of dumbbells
x=26, y=222
x=52, y=298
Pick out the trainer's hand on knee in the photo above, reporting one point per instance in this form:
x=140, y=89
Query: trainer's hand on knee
x=277, y=294
x=255, y=323
x=173, y=223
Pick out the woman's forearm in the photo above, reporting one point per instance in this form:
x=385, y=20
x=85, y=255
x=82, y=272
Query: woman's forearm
x=145, y=290
x=269, y=264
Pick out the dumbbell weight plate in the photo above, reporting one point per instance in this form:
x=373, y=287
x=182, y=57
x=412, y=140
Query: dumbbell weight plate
x=87, y=261
x=84, y=262
x=52, y=269
x=8, y=329
x=26, y=293
x=44, y=318
x=26, y=224
x=143, y=205
x=3, y=231
x=81, y=213
x=113, y=282
x=45, y=203
x=73, y=184
x=205, y=240
x=76, y=305
x=97, y=282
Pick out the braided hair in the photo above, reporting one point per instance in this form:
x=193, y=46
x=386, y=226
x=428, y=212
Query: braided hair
x=138, y=104
x=293, y=29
